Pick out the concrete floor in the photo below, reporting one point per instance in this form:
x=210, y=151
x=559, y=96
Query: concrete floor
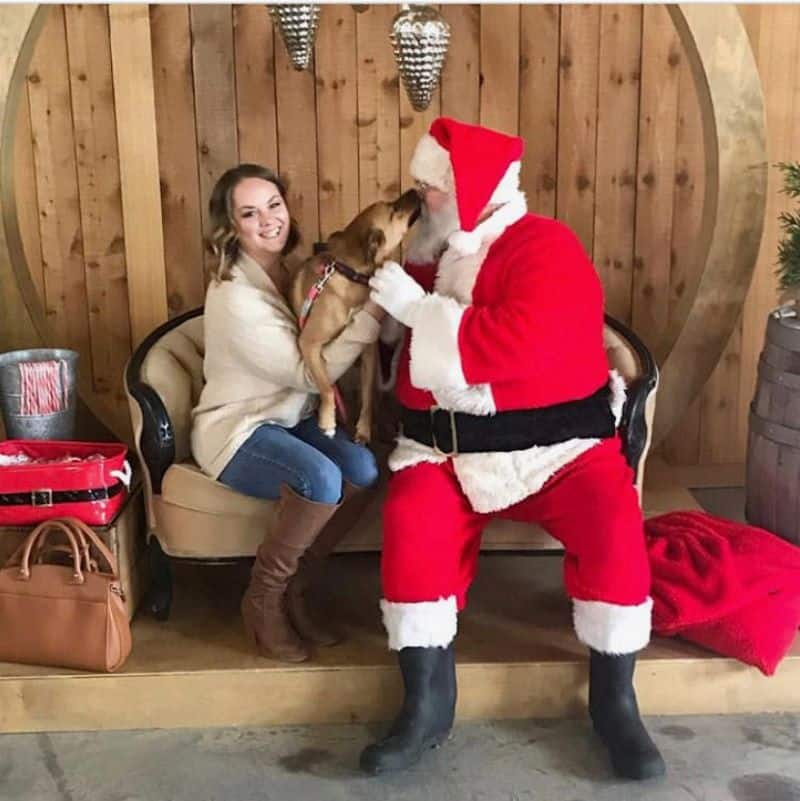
x=737, y=758
x=731, y=758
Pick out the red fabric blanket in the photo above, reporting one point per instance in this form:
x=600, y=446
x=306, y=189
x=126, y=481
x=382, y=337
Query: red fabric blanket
x=727, y=586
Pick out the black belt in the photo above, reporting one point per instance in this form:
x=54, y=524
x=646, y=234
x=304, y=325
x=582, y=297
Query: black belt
x=47, y=497
x=451, y=432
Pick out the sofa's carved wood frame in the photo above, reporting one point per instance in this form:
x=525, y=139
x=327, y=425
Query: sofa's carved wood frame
x=732, y=110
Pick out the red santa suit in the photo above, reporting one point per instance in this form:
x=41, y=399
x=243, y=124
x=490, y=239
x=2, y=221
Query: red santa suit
x=511, y=319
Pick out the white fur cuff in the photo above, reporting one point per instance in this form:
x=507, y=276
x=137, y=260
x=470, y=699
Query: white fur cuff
x=435, y=362
x=612, y=628
x=427, y=624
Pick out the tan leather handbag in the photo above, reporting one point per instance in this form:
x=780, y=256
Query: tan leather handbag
x=70, y=614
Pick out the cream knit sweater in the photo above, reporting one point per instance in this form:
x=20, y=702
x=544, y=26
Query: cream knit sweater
x=253, y=369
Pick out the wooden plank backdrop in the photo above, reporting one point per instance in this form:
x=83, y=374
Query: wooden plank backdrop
x=132, y=112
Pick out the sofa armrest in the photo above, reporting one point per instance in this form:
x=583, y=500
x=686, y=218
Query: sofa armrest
x=157, y=440
x=634, y=425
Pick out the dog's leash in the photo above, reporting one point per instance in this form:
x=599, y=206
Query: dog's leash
x=314, y=293
x=328, y=269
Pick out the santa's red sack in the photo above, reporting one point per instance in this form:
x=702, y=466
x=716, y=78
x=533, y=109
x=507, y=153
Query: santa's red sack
x=40, y=479
x=728, y=586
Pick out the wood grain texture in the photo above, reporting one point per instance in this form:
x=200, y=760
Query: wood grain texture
x=499, y=100
x=297, y=143
x=577, y=119
x=337, y=112
x=215, y=99
x=25, y=187
x=658, y=114
x=138, y=156
x=254, y=47
x=57, y=190
x=617, y=133
x=538, y=104
x=732, y=104
x=682, y=446
x=378, y=108
x=461, y=76
x=95, y=129
x=178, y=157
x=19, y=291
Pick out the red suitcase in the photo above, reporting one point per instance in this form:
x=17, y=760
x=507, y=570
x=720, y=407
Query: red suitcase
x=40, y=479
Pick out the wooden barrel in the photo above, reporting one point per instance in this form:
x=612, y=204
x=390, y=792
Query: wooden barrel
x=773, y=446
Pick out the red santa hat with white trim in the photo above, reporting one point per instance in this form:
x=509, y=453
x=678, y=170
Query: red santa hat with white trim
x=480, y=165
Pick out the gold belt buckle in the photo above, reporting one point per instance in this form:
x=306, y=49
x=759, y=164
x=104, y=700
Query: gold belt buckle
x=453, y=434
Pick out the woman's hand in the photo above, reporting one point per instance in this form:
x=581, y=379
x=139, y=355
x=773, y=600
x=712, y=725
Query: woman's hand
x=378, y=312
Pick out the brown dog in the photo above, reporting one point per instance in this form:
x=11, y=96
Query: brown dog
x=350, y=256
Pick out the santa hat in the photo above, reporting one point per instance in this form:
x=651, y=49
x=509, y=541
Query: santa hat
x=479, y=164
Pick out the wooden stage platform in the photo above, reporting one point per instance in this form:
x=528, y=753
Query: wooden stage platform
x=517, y=658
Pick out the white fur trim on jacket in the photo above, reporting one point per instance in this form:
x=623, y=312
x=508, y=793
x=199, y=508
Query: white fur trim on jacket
x=612, y=628
x=430, y=163
x=618, y=394
x=434, y=358
x=508, y=185
x=474, y=399
x=457, y=273
x=427, y=624
x=409, y=452
x=497, y=480
x=492, y=226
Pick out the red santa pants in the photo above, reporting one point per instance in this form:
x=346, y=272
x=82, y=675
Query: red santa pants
x=431, y=541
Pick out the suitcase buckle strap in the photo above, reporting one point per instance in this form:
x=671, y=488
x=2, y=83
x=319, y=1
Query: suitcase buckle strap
x=42, y=497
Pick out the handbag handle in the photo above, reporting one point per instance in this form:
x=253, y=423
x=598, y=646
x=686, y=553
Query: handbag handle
x=86, y=538
x=84, y=533
x=40, y=533
x=80, y=538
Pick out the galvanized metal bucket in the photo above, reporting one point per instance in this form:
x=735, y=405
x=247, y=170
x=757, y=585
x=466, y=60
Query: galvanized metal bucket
x=58, y=425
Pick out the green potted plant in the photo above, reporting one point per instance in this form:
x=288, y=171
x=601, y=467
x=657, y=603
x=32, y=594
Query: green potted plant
x=788, y=271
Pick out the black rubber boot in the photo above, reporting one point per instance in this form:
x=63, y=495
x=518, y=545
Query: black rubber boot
x=615, y=715
x=426, y=717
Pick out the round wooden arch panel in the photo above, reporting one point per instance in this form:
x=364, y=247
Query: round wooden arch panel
x=732, y=111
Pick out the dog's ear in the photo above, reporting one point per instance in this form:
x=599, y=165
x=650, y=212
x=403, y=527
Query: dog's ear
x=375, y=241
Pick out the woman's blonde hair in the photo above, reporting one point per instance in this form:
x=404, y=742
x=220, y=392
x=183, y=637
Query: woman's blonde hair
x=223, y=242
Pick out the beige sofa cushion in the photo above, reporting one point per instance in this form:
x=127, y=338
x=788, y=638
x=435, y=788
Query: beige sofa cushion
x=199, y=517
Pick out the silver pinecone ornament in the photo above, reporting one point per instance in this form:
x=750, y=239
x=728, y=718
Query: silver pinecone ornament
x=420, y=36
x=298, y=27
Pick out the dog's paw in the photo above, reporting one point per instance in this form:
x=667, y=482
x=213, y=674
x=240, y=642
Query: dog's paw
x=329, y=432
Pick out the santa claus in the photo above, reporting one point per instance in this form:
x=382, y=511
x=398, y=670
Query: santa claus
x=508, y=410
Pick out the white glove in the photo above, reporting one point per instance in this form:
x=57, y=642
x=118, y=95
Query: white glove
x=396, y=291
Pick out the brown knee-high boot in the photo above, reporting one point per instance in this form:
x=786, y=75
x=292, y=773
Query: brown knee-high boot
x=298, y=523
x=308, y=625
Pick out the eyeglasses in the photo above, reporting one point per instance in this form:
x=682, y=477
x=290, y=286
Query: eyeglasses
x=422, y=187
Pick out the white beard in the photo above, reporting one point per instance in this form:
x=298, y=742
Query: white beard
x=429, y=236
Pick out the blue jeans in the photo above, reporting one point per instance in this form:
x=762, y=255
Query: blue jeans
x=312, y=464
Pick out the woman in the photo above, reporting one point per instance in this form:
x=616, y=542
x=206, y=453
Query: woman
x=254, y=427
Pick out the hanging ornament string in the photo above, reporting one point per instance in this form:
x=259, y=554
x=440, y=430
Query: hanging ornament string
x=298, y=28
x=419, y=37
